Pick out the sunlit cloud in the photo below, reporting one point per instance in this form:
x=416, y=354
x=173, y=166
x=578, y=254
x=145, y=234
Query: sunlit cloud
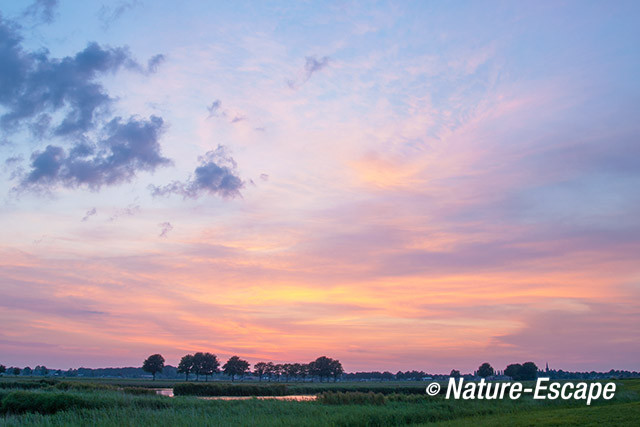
x=438, y=190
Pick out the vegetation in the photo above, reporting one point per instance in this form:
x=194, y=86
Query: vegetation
x=153, y=364
x=525, y=372
x=485, y=370
x=186, y=366
x=78, y=402
x=351, y=398
x=205, y=364
x=225, y=389
x=235, y=367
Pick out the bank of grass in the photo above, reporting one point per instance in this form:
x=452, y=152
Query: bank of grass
x=114, y=407
x=226, y=389
x=616, y=414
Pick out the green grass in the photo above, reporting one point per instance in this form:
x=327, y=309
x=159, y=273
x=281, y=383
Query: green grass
x=104, y=404
x=226, y=389
x=622, y=414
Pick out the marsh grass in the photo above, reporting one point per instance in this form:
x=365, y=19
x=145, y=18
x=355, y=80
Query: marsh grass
x=351, y=398
x=226, y=389
x=116, y=407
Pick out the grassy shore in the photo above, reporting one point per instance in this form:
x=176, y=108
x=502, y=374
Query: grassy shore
x=104, y=403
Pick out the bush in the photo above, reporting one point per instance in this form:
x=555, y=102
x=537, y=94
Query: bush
x=351, y=398
x=82, y=386
x=193, y=389
x=27, y=385
x=18, y=402
x=137, y=391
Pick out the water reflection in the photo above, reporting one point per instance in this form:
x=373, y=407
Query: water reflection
x=299, y=398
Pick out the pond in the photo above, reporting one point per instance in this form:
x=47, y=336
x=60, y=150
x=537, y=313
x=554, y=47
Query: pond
x=299, y=398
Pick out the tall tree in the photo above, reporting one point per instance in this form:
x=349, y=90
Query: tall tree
x=337, y=370
x=529, y=371
x=270, y=370
x=186, y=366
x=153, y=364
x=209, y=365
x=278, y=369
x=485, y=370
x=325, y=367
x=235, y=366
x=3, y=369
x=454, y=373
x=303, y=371
x=514, y=371
x=260, y=369
x=197, y=364
x=296, y=369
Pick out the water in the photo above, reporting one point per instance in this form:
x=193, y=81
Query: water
x=299, y=398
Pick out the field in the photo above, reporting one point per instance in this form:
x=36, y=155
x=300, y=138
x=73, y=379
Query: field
x=132, y=402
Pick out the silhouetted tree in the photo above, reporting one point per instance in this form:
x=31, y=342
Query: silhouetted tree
x=303, y=371
x=529, y=371
x=153, y=364
x=296, y=369
x=186, y=366
x=40, y=370
x=485, y=370
x=208, y=365
x=235, y=366
x=27, y=371
x=3, y=369
x=324, y=367
x=454, y=373
x=197, y=362
x=260, y=369
x=277, y=370
x=15, y=371
x=270, y=370
x=514, y=371
x=337, y=370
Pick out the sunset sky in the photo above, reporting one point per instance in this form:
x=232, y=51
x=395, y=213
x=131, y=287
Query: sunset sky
x=399, y=185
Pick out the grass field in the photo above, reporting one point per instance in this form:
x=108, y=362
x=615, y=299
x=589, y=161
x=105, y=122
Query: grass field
x=113, y=403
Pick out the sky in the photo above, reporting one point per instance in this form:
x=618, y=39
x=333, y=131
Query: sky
x=398, y=185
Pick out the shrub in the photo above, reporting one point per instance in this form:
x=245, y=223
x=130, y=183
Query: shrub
x=137, y=391
x=18, y=402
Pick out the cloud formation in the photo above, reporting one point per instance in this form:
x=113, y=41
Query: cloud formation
x=36, y=89
x=109, y=15
x=130, y=210
x=214, y=108
x=128, y=147
x=91, y=212
x=216, y=175
x=41, y=10
x=165, y=228
x=34, y=86
x=312, y=65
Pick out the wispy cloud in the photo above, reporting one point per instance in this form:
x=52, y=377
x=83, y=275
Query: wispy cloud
x=42, y=10
x=130, y=210
x=312, y=65
x=91, y=212
x=165, y=228
x=109, y=14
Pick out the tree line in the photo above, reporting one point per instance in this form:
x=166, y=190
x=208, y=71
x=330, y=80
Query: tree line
x=207, y=364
